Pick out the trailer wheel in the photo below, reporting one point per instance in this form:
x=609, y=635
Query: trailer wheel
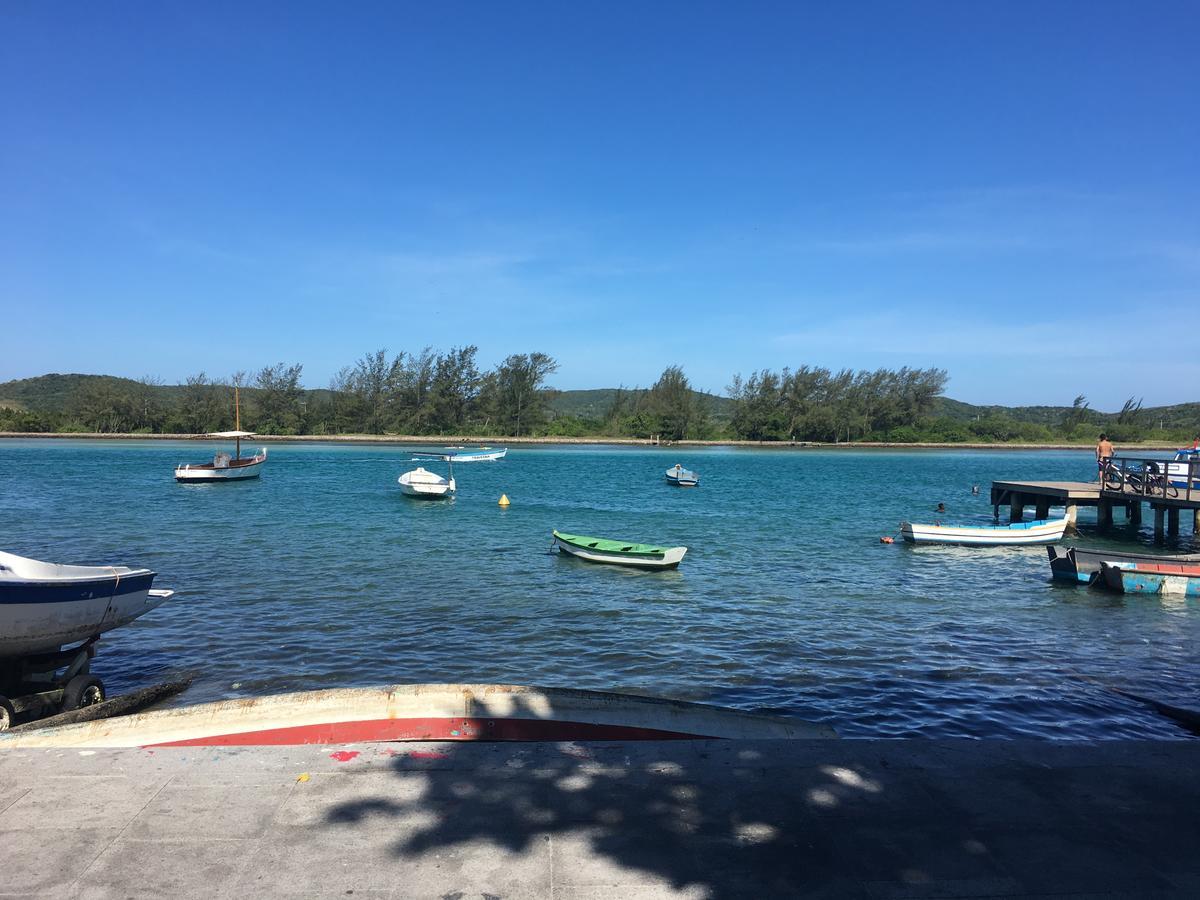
x=81, y=691
x=6, y=713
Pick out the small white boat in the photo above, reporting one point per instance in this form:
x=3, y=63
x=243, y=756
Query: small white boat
x=469, y=454
x=682, y=477
x=1042, y=531
x=422, y=712
x=44, y=606
x=420, y=482
x=225, y=467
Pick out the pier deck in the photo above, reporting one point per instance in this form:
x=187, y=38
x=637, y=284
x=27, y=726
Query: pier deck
x=1042, y=495
x=694, y=819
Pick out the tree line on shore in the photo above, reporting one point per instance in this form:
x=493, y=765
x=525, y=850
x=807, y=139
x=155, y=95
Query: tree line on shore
x=447, y=393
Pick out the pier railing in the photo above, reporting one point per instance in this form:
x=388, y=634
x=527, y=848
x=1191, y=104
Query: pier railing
x=1153, y=479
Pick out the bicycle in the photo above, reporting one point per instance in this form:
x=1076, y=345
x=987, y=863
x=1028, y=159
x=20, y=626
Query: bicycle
x=1149, y=481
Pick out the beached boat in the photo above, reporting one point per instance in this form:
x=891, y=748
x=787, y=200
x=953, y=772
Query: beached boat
x=469, y=454
x=621, y=553
x=1042, y=531
x=1168, y=579
x=1080, y=565
x=682, y=477
x=421, y=712
x=426, y=485
x=44, y=606
x=226, y=467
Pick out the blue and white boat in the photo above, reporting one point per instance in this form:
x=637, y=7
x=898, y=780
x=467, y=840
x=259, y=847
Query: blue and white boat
x=1168, y=579
x=466, y=454
x=44, y=606
x=1081, y=565
x=1041, y=531
x=1184, y=467
x=682, y=477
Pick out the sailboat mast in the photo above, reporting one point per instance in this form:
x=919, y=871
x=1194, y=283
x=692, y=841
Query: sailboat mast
x=237, y=420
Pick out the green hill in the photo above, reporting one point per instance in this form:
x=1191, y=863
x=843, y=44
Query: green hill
x=595, y=403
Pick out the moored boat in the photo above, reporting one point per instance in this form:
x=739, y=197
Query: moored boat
x=1168, y=579
x=421, y=712
x=225, y=467
x=1081, y=565
x=621, y=553
x=682, y=477
x=422, y=483
x=1184, y=469
x=470, y=454
x=1041, y=531
x=44, y=606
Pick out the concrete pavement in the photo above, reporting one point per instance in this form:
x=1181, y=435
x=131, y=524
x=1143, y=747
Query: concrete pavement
x=627, y=820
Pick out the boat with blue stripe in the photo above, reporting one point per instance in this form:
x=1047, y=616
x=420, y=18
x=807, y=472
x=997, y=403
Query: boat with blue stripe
x=1081, y=565
x=44, y=606
x=1167, y=579
x=465, y=454
x=1040, y=531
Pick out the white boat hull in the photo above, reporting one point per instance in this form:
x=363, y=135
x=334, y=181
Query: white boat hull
x=427, y=485
x=1046, y=532
x=233, y=472
x=44, y=606
x=671, y=557
x=420, y=712
x=469, y=456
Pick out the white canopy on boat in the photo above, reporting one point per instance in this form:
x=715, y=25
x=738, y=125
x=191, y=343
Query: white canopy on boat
x=230, y=434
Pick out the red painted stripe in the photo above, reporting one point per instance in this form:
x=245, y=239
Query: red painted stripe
x=441, y=729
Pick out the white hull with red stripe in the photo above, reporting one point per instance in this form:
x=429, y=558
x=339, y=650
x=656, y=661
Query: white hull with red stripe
x=421, y=712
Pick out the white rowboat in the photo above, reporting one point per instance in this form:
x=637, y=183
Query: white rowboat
x=1042, y=531
x=422, y=483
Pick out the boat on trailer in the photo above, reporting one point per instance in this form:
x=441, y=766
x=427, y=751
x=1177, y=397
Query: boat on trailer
x=1040, y=531
x=46, y=606
x=1167, y=579
x=620, y=553
x=422, y=712
x=681, y=477
x=1081, y=565
x=426, y=485
x=226, y=467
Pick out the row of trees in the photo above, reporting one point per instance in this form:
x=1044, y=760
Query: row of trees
x=446, y=393
x=816, y=404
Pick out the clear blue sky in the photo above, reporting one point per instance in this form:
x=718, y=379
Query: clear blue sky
x=1006, y=190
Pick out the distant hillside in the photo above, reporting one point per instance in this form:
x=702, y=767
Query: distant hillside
x=1181, y=415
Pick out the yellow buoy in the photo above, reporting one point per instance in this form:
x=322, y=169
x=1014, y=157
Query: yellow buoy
x=504, y=499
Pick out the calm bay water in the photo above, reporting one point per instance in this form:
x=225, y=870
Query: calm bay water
x=321, y=574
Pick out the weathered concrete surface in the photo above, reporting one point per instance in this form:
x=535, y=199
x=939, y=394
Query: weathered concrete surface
x=575, y=821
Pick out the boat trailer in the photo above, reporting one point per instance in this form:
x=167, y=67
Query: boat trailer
x=44, y=684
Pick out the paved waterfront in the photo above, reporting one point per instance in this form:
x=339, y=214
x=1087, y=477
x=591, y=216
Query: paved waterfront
x=575, y=821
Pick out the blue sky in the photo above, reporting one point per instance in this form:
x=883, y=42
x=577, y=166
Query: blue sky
x=1008, y=190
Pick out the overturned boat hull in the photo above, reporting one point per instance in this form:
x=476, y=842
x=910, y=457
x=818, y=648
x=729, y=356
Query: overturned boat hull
x=422, y=712
x=1080, y=565
x=1167, y=579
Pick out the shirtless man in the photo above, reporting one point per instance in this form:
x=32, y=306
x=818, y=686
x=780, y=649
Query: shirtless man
x=1104, y=453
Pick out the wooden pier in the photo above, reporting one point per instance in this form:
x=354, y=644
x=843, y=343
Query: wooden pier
x=1165, y=499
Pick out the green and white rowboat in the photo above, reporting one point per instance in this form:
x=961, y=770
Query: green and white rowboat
x=621, y=553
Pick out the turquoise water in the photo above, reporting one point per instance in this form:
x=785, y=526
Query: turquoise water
x=322, y=574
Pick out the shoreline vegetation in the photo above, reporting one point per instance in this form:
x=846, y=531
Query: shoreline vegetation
x=509, y=440
x=446, y=396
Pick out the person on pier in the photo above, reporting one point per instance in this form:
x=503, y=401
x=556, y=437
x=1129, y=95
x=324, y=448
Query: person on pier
x=1104, y=453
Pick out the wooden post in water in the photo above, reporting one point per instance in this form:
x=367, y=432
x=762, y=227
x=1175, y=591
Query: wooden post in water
x=1072, y=511
x=1105, y=513
x=1016, y=510
x=1043, y=509
x=1173, y=521
x=1158, y=523
x=1135, y=512
x=1195, y=522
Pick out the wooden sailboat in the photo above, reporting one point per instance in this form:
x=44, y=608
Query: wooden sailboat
x=225, y=467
